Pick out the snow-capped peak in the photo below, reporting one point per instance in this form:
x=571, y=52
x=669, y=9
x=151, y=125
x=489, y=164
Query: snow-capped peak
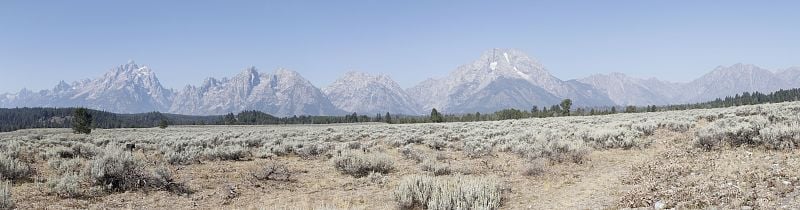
x=144, y=71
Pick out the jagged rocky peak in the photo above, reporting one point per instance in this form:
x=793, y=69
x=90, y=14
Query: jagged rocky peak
x=613, y=77
x=210, y=82
x=369, y=93
x=130, y=72
x=62, y=86
x=249, y=76
x=289, y=77
x=510, y=63
x=738, y=68
x=357, y=76
x=739, y=71
x=506, y=63
x=617, y=75
x=508, y=56
x=282, y=92
x=286, y=73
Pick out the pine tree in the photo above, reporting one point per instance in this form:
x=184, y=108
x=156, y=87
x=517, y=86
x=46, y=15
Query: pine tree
x=230, y=119
x=436, y=116
x=163, y=124
x=630, y=109
x=82, y=121
x=388, y=118
x=555, y=111
x=354, y=118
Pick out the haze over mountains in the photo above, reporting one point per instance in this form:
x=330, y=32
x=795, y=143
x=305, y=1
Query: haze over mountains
x=498, y=79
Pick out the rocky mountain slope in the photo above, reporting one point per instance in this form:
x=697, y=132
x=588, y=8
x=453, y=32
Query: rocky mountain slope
x=369, y=94
x=484, y=85
x=282, y=93
x=127, y=88
x=722, y=81
x=498, y=79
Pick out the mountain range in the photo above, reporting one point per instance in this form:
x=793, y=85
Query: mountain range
x=498, y=79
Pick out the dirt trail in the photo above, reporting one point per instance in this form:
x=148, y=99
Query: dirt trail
x=596, y=184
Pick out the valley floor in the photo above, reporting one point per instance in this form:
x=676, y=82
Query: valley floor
x=662, y=168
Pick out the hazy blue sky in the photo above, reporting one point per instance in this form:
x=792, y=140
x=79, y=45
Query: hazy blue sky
x=42, y=42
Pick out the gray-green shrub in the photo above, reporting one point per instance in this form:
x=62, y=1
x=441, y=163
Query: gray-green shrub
x=448, y=192
x=11, y=168
x=6, y=198
x=117, y=170
x=436, y=167
x=360, y=164
x=66, y=186
x=230, y=152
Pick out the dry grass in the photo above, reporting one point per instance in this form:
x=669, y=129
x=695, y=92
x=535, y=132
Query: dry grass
x=716, y=158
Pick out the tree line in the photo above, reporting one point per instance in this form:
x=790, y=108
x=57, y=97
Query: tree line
x=564, y=108
x=24, y=118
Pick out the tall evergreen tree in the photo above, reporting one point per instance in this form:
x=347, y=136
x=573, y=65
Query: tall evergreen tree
x=630, y=109
x=163, y=124
x=82, y=121
x=436, y=116
x=543, y=113
x=230, y=119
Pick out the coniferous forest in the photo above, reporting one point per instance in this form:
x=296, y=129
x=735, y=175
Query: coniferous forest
x=24, y=118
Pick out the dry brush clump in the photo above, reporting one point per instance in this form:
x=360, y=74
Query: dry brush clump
x=448, y=192
x=360, y=164
x=118, y=170
x=775, y=127
x=436, y=167
x=6, y=197
x=730, y=131
x=66, y=165
x=780, y=136
x=535, y=167
x=66, y=185
x=477, y=149
x=274, y=171
x=229, y=152
x=729, y=179
x=185, y=156
x=410, y=153
x=11, y=168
